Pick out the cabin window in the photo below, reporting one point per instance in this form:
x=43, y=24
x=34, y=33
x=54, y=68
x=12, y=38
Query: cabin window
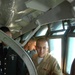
x=42, y=31
x=59, y=28
x=26, y=35
x=71, y=53
x=59, y=33
x=72, y=22
x=56, y=26
x=74, y=31
x=55, y=48
x=65, y=25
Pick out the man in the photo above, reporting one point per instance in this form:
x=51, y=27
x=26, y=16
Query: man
x=10, y=62
x=30, y=47
x=44, y=62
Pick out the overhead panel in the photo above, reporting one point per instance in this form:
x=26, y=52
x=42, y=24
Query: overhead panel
x=36, y=5
x=42, y=5
x=61, y=12
x=29, y=27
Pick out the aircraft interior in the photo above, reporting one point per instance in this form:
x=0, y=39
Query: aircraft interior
x=53, y=19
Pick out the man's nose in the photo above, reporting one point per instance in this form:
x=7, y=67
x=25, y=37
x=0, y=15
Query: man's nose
x=41, y=49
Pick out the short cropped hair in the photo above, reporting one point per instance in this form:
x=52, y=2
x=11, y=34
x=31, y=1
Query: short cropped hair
x=41, y=39
x=4, y=29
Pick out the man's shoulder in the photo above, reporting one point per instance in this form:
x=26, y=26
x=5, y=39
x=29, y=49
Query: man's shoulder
x=51, y=58
x=34, y=56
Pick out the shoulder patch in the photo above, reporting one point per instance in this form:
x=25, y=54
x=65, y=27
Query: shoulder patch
x=58, y=67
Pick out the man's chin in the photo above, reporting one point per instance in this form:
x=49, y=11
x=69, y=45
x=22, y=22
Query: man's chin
x=41, y=56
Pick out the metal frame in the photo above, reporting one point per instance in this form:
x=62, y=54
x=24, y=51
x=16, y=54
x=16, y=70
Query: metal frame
x=18, y=49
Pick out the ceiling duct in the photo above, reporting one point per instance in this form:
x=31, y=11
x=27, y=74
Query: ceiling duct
x=61, y=12
x=42, y=5
x=6, y=9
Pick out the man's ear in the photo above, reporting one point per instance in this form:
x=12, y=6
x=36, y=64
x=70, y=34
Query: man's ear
x=29, y=43
x=48, y=49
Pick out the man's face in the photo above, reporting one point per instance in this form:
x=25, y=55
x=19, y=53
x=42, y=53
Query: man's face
x=32, y=45
x=9, y=34
x=42, y=48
